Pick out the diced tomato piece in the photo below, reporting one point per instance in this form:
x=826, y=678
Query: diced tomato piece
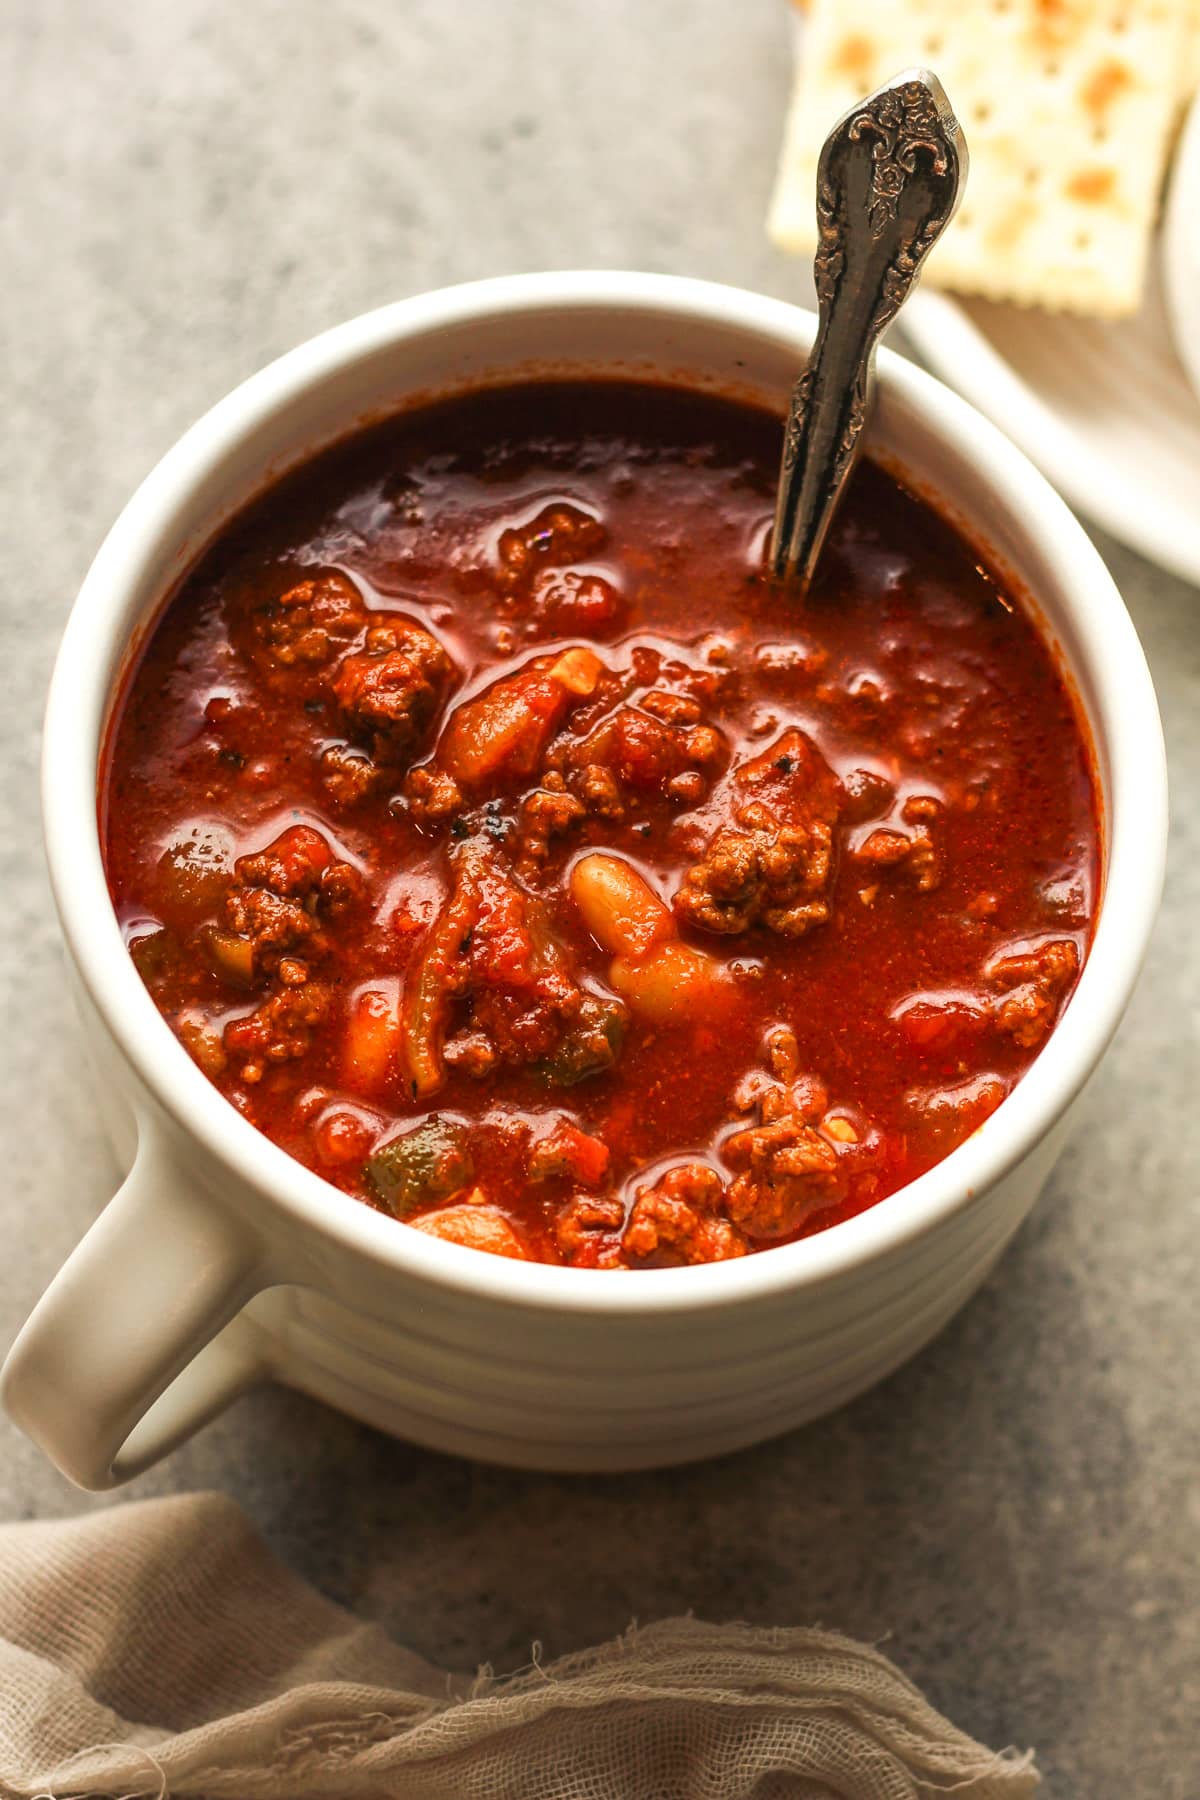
x=475, y=1225
x=569, y=1151
x=939, y=1025
x=586, y=1156
x=505, y=730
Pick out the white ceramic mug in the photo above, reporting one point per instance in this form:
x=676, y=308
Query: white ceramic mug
x=221, y=1260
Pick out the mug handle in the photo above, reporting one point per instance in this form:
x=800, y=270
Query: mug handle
x=126, y=1354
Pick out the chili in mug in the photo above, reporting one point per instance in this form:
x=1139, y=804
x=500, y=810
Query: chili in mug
x=508, y=848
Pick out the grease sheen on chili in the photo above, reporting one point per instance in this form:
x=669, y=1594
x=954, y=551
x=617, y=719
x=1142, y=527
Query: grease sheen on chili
x=503, y=845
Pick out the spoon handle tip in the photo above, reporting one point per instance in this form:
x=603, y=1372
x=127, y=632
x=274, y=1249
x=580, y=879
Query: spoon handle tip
x=889, y=178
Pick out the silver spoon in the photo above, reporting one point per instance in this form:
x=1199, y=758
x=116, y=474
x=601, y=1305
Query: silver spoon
x=889, y=178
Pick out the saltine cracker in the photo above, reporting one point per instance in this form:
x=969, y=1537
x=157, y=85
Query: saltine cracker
x=1068, y=107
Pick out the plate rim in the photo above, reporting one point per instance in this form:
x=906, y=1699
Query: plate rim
x=940, y=329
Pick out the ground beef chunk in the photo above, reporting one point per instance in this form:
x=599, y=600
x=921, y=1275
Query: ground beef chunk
x=722, y=891
x=1037, y=981
x=761, y=870
x=272, y=925
x=789, y=1090
x=523, y=1020
x=348, y=775
x=515, y=1025
x=272, y=900
x=491, y=953
x=312, y=622
x=783, y=1053
x=672, y=708
x=911, y=853
x=677, y=1219
x=432, y=795
x=282, y=896
x=590, y=1044
x=340, y=888
x=598, y=790
x=586, y=1228
x=390, y=691
x=787, y=1170
x=546, y=813
x=636, y=754
x=774, y=863
x=280, y=1030
x=560, y=534
x=473, y=1053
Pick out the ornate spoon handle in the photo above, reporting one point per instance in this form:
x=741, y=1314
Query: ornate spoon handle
x=888, y=180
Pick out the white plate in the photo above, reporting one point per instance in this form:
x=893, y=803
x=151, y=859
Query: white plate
x=1181, y=248
x=1104, y=409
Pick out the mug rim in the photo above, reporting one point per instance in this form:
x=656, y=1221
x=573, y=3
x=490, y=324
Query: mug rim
x=1123, y=718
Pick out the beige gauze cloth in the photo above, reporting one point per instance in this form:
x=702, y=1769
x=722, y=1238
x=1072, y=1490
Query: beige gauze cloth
x=159, y=1649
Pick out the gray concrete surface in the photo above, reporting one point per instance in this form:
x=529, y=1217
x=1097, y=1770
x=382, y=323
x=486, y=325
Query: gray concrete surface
x=190, y=189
